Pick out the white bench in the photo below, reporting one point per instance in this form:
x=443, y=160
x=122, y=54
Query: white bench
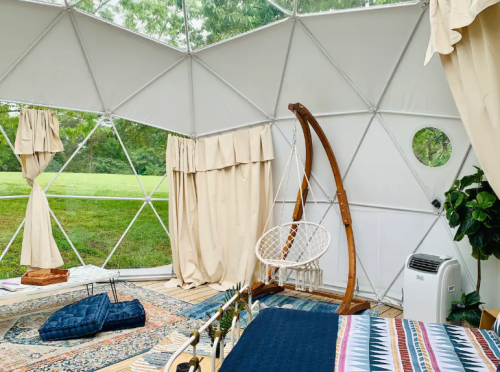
x=81, y=275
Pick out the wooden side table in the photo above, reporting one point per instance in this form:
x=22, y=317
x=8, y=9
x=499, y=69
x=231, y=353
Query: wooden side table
x=488, y=318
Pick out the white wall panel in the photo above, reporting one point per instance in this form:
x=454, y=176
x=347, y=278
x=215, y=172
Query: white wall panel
x=312, y=80
x=379, y=175
x=367, y=58
x=436, y=180
x=54, y=73
x=23, y=22
x=253, y=64
x=122, y=61
x=162, y=106
x=419, y=88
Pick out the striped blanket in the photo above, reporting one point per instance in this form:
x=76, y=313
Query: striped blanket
x=378, y=344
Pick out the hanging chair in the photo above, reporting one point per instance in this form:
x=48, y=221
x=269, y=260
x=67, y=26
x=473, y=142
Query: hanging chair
x=296, y=245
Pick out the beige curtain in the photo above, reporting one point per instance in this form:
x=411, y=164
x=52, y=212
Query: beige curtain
x=467, y=35
x=37, y=141
x=220, y=195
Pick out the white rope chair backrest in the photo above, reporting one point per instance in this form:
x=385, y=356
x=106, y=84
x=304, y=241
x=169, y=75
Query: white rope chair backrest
x=297, y=243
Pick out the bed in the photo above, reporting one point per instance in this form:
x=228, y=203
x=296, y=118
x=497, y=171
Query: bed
x=281, y=340
x=285, y=340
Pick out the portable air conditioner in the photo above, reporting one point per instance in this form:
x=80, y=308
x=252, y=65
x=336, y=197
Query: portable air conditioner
x=431, y=283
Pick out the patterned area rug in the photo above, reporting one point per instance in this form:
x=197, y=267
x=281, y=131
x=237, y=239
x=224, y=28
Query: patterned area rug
x=21, y=348
x=209, y=306
x=156, y=358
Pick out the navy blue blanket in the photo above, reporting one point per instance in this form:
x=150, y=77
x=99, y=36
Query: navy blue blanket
x=283, y=340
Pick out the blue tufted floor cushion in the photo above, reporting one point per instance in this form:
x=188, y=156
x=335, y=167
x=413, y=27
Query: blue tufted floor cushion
x=82, y=318
x=123, y=315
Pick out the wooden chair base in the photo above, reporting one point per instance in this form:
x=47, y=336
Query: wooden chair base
x=356, y=306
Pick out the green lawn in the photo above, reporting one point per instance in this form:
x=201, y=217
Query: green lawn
x=94, y=226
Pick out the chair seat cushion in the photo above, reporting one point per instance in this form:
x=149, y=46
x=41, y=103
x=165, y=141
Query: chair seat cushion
x=82, y=318
x=123, y=315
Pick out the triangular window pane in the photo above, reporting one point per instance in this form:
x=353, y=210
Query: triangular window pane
x=100, y=168
x=146, y=244
x=209, y=24
x=159, y=20
x=146, y=147
x=13, y=212
x=315, y=6
x=93, y=226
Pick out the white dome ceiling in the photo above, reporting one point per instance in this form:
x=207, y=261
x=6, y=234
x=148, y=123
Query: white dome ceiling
x=360, y=72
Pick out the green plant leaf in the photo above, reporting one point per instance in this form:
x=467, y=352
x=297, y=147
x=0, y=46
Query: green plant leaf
x=455, y=316
x=454, y=219
x=470, y=225
x=459, y=235
x=485, y=199
x=477, y=252
x=472, y=204
x=479, y=215
x=467, y=181
x=495, y=235
x=459, y=200
x=473, y=317
x=472, y=298
x=479, y=239
x=448, y=213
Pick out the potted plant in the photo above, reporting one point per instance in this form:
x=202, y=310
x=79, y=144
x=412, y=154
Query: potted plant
x=473, y=208
x=227, y=316
x=466, y=311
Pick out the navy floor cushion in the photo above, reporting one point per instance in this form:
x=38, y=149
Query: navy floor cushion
x=123, y=315
x=82, y=318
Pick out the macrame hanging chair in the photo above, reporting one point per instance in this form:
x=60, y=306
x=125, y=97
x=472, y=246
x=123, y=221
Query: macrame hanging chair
x=293, y=246
x=298, y=245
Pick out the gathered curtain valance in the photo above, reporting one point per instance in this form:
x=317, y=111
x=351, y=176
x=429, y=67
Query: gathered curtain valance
x=220, y=195
x=244, y=146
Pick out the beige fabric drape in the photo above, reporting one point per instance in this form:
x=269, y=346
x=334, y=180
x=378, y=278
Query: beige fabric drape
x=220, y=194
x=467, y=35
x=37, y=141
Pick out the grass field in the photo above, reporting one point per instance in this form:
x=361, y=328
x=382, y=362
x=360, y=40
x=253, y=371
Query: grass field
x=94, y=226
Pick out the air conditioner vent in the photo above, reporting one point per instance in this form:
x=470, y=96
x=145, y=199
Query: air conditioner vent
x=425, y=263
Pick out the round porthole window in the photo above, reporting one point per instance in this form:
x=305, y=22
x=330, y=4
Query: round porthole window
x=432, y=147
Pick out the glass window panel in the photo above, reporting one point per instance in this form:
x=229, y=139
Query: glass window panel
x=314, y=6
x=161, y=20
x=11, y=216
x=146, y=147
x=100, y=168
x=432, y=147
x=216, y=20
x=146, y=243
x=11, y=178
x=94, y=226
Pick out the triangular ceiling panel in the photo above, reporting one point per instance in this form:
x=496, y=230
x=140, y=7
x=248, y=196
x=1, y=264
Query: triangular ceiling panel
x=261, y=55
x=160, y=105
x=344, y=132
x=418, y=88
x=439, y=179
x=217, y=106
x=380, y=176
x=26, y=21
x=54, y=73
x=122, y=61
x=311, y=79
x=367, y=58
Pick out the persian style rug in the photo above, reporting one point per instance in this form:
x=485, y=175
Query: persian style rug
x=209, y=306
x=22, y=349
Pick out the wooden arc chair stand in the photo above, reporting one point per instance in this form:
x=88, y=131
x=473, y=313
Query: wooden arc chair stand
x=349, y=304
